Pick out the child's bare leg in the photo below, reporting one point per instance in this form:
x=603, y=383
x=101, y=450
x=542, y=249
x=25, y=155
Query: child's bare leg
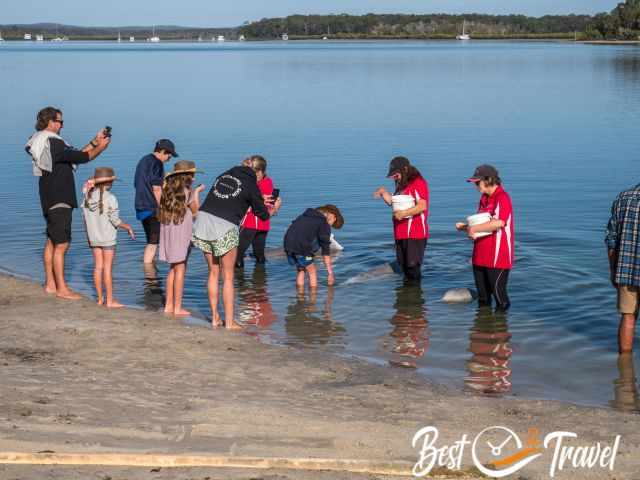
x=109, y=255
x=50, y=281
x=170, y=288
x=227, y=264
x=98, y=266
x=313, y=276
x=212, y=287
x=178, y=286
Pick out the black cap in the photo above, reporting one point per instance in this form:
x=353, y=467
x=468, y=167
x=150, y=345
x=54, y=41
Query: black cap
x=167, y=146
x=397, y=164
x=483, y=171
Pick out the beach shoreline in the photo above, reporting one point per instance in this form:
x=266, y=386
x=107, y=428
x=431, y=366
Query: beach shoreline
x=81, y=379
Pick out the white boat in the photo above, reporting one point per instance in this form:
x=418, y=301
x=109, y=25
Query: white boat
x=199, y=38
x=154, y=38
x=59, y=39
x=465, y=35
x=1, y=39
x=285, y=36
x=39, y=38
x=220, y=38
x=27, y=36
x=119, y=37
x=241, y=38
x=132, y=38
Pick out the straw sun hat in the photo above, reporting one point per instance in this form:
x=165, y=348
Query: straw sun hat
x=103, y=175
x=183, y=166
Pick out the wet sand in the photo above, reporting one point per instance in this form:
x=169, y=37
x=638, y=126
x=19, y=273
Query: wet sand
x=78, y=378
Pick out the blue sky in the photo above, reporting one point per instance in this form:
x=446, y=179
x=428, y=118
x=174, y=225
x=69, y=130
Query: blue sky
x=234, y=12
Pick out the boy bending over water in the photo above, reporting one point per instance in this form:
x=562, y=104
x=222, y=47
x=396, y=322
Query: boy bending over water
x=308, y=233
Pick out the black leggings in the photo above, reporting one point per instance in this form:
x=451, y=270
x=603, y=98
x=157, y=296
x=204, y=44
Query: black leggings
x=256, y=238
x=492, y=282
x=410, y=256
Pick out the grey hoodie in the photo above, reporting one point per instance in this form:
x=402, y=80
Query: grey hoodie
x=102, y=230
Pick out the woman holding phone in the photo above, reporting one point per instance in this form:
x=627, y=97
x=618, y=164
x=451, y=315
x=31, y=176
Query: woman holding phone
x=253, y=230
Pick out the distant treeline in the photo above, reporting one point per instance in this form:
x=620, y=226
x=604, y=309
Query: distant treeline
x=622, y=23
x=417, y=26
x=51, y=30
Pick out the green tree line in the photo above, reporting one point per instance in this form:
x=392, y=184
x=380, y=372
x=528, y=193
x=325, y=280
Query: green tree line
x=410, y=26
x=623, y=23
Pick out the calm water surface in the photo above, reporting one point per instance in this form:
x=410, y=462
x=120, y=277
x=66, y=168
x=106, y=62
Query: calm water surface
x=559, y=120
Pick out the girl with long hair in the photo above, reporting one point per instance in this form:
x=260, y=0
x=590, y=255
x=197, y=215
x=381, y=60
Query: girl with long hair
x=102, y=221
x=178, y=205
x=410, y=226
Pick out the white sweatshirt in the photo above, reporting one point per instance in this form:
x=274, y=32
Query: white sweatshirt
x=102, y=230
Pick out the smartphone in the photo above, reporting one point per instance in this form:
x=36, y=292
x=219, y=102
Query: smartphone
x=275, y=194
x=107, y=131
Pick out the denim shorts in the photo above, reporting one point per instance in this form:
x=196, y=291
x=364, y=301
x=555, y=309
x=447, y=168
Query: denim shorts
x=301, y=262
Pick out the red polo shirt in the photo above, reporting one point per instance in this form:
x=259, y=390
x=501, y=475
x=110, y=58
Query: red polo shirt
x=496, y=250
x=415, y=227
x=252, y=222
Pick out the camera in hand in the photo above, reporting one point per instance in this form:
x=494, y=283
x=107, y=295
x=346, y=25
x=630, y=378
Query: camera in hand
x=107, y=131
x=275, y=194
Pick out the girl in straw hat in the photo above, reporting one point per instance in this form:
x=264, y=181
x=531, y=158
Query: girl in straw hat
x=178, y=205
x=102, y=221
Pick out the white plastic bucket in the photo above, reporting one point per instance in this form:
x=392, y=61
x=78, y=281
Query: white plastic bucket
x=479, y=219
x=402, y=202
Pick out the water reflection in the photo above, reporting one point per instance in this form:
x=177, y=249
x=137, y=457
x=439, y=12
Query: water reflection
x=488, y=368
x=153, y=294
x=308, y=323
x=409, y=336
x=254, y=307
x=625, y=387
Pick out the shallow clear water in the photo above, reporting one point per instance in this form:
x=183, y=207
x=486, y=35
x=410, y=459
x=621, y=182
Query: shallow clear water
x=559, y=120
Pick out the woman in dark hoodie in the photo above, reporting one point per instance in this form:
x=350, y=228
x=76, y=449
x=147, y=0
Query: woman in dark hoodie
x=216, y=233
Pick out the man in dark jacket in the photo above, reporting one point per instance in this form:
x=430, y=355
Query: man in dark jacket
x=308, y=233
x=55, y=162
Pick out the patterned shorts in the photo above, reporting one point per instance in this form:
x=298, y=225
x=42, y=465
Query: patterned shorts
x=219, y=247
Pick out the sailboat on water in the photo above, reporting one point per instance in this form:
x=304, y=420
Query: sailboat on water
x=1, y=39
x=119, y=37
x=465, y=35
x=154, y=38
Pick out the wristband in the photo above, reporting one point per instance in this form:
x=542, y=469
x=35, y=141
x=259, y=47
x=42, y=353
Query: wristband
x=94, y=145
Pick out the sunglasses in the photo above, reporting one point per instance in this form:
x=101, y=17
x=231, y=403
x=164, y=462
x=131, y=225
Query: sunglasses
x=61, y=122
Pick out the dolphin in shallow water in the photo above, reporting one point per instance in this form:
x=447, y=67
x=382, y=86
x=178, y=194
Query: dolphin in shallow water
x=459, y=295
x=376, y=273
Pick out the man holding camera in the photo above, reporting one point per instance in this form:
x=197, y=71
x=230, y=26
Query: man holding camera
x=148, y=184
x=54, y=161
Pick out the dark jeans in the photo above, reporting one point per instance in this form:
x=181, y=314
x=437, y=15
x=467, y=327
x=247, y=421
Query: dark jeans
x=492, y=282
x=255, y=238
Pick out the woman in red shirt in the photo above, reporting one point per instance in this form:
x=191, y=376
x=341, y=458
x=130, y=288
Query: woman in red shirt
x=410, y=227
x=493, y=241
x=253, y=231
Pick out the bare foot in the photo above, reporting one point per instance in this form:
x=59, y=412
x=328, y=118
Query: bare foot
x=216, y=323
x=100, y=301
x=182, y=313
x=168, y=310
x=114, y=304
x=68, y=295
x=51, y=290
x=233, y=326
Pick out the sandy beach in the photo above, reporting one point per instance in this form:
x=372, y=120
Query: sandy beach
x=80, y=379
